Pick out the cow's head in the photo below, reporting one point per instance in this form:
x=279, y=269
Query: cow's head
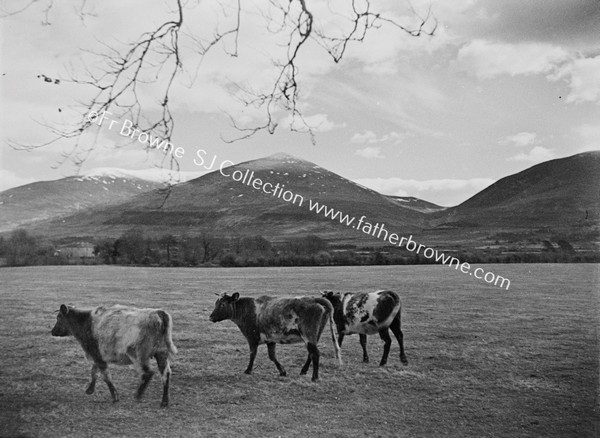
x=61, y=328
x=224, y=307
x=333, y=297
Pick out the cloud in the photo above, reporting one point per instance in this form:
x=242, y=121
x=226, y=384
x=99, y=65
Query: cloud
x=369, y=152
x=563, y=22
x=521, y=139
x=316, y=122
x=583, y=77
x=535, y=155
x=381, y=68
x=377, y=54
x=364, y=137
x=448, y=191
x=370, y=137
x=487, y=60
x=394, y=186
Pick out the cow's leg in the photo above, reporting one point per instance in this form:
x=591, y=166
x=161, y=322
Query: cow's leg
x=340, y=338
x=92, y=385
x=363, y=344
x=162, y=360
x=309, y=357
x=304, y=369
x=314, y=354
x=103, y=367
x=395, y=326
x=253, y=350
x=385, y=335
x=271, y=349
x=145, y=374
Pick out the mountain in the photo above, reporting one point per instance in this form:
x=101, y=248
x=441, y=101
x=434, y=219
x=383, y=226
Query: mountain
x=561, y=194
x=541, y=207
x=31, y=203
x=416, y=204
x=220, y=205
x=550, y=207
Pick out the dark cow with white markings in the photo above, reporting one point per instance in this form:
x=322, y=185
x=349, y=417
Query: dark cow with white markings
x=269, y=320
x=121, y=335
x=366, y=314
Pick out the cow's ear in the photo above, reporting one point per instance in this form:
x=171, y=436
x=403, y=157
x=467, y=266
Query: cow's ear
x=64, y=309
x=235, y=296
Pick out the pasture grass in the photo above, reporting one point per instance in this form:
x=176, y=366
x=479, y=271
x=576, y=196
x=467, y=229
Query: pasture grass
x=483, y=362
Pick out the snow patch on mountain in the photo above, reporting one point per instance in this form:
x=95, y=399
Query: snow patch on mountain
x=156, y=175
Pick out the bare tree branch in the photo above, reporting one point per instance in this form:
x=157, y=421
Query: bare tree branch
x=6, y=13
x=155, y=59
x=298, y=20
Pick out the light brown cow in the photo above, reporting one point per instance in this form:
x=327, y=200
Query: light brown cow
x=121, y=335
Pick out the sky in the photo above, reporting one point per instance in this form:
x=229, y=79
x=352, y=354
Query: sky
x=499, y=87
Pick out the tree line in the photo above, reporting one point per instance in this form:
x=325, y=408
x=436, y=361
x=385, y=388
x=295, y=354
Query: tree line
x=21, y=248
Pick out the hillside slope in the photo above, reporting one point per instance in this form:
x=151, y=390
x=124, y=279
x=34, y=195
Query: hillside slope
x=561, y=193
x=31, y=203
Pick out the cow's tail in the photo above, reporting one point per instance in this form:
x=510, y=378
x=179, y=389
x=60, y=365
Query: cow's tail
x=167, y=331
x=334, y=337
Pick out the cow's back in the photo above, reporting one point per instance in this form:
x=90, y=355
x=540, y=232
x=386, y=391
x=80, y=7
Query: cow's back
x=368, y=312
x=286, y=320
x=122, y=330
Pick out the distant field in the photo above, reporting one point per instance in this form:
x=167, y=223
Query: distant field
x=483, y=361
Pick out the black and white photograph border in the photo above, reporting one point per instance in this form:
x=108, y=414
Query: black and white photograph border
x=400, y=199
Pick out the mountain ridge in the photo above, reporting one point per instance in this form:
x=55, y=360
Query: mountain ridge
x=558, y=199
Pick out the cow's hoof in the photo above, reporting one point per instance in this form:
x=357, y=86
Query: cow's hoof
x=164, y=404
x=89, y=391
x=248, y=372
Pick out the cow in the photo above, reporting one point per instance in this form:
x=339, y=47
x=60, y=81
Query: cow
x=121, y=335
x=270, y=320
x=366, y=314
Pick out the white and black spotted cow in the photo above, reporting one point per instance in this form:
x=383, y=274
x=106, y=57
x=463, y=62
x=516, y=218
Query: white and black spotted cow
x=269, y=320
x=121, y=335
x=366, y=314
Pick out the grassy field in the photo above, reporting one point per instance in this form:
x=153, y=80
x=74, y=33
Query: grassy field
x=483, y=361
